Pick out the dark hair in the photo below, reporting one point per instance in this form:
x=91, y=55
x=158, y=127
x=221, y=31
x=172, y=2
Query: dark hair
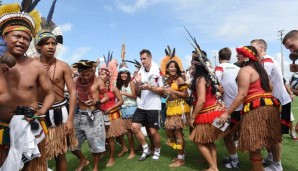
x=178, y=72
x=224, y=54
x=43, y=42
x=290, y=35
x=121, y=82
x=146, y=51
x=200, y=71
x=260, y=70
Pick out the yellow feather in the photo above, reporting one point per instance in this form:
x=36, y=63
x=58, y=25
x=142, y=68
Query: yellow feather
x=37, y=19
x=163, y=64
x=9, y=8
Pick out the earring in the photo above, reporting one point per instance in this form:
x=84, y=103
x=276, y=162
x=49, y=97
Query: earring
x=246, y=59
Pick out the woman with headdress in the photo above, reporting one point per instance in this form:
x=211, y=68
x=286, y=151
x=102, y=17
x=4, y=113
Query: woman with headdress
x=176, y=107
x=129, y=106
x=114, y=123
x=260, y=124
x=206, y=108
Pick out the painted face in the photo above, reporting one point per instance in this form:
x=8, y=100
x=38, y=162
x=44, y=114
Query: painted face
x=172, y=69
x=124, y=76
x=240, y=58
x=86, y=75
x=145, y=60
x=17, y=42
x=292, y=45
x=48, y=49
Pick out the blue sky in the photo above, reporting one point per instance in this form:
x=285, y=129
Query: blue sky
x=93, y=27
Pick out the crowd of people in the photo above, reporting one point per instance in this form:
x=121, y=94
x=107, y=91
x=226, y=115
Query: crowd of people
x=247, y=101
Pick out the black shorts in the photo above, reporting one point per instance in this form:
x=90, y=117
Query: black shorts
x=235, y=118
x=150, y=118
x=285, y=118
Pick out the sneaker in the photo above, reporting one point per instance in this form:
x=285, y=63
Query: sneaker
x=293, y=135
x=226, y=160
x=273, y=167
x=144, y=155
x=234, y=164
x=156, y=155
x=268, y=160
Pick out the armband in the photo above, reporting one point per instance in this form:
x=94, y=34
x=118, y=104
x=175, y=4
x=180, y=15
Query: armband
x=97, y=103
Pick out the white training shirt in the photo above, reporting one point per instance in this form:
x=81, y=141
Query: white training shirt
x=226, y=74
x=275, y=76
x=150, y=100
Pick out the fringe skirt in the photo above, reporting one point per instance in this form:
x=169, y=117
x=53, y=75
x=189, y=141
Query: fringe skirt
x=260, y=128
x=39, y=163
x=174, y=122
x=177, y=114
x=127, y=123
x=116, y=128
x=57, y=142
x=205, y=133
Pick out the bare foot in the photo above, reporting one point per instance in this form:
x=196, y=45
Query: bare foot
x=83, y=164
x=177, y=163
x=110, y=163
x=124, y=150
x=174, y=159
x=131, y=156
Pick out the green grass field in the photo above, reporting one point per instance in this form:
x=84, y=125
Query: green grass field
x=193, y=159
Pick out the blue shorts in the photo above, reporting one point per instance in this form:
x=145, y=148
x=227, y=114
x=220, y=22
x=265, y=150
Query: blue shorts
x=128, y=111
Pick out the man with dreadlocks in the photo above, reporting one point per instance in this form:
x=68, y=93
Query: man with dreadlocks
x=59, y=118
x=18, y=26
x=88, y=122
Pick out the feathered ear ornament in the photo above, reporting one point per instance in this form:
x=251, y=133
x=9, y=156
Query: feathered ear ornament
x=170, y=55
x=206, y=64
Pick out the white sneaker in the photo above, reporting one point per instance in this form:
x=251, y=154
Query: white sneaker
x=233, y=164
x=268, y=160
x=156, y=155
x=273, y=167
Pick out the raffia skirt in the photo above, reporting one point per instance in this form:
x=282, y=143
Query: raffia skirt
x=260, y=128
x=57, y=142
x=116, y=127
x=177, y=114
x=205, y=133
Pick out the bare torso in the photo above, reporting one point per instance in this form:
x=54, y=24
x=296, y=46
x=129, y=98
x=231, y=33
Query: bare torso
x=95, y=90
x=22, y=82
x=56, y=72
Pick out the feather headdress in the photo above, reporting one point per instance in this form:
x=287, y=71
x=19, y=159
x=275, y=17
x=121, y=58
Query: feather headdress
x=206, y=64
x=136, y=63
x=111, y=65
x=16, y=15
x=170, y=56
x=84, y=64
x=48, y=30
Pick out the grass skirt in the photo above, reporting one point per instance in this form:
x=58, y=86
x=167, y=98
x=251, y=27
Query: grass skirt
x=174, y=122
x=39, y=163
x=260, y=128
x=4, y=149
x=57, y=142
x=205, y=133
x=116, y=128
x=127, y=123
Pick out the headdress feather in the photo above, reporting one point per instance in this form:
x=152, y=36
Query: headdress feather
x=170, y=55
x=207, y=65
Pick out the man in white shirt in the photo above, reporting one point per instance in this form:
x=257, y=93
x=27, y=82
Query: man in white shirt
x=227, y=74
x=149, y=84
x=279, y=91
